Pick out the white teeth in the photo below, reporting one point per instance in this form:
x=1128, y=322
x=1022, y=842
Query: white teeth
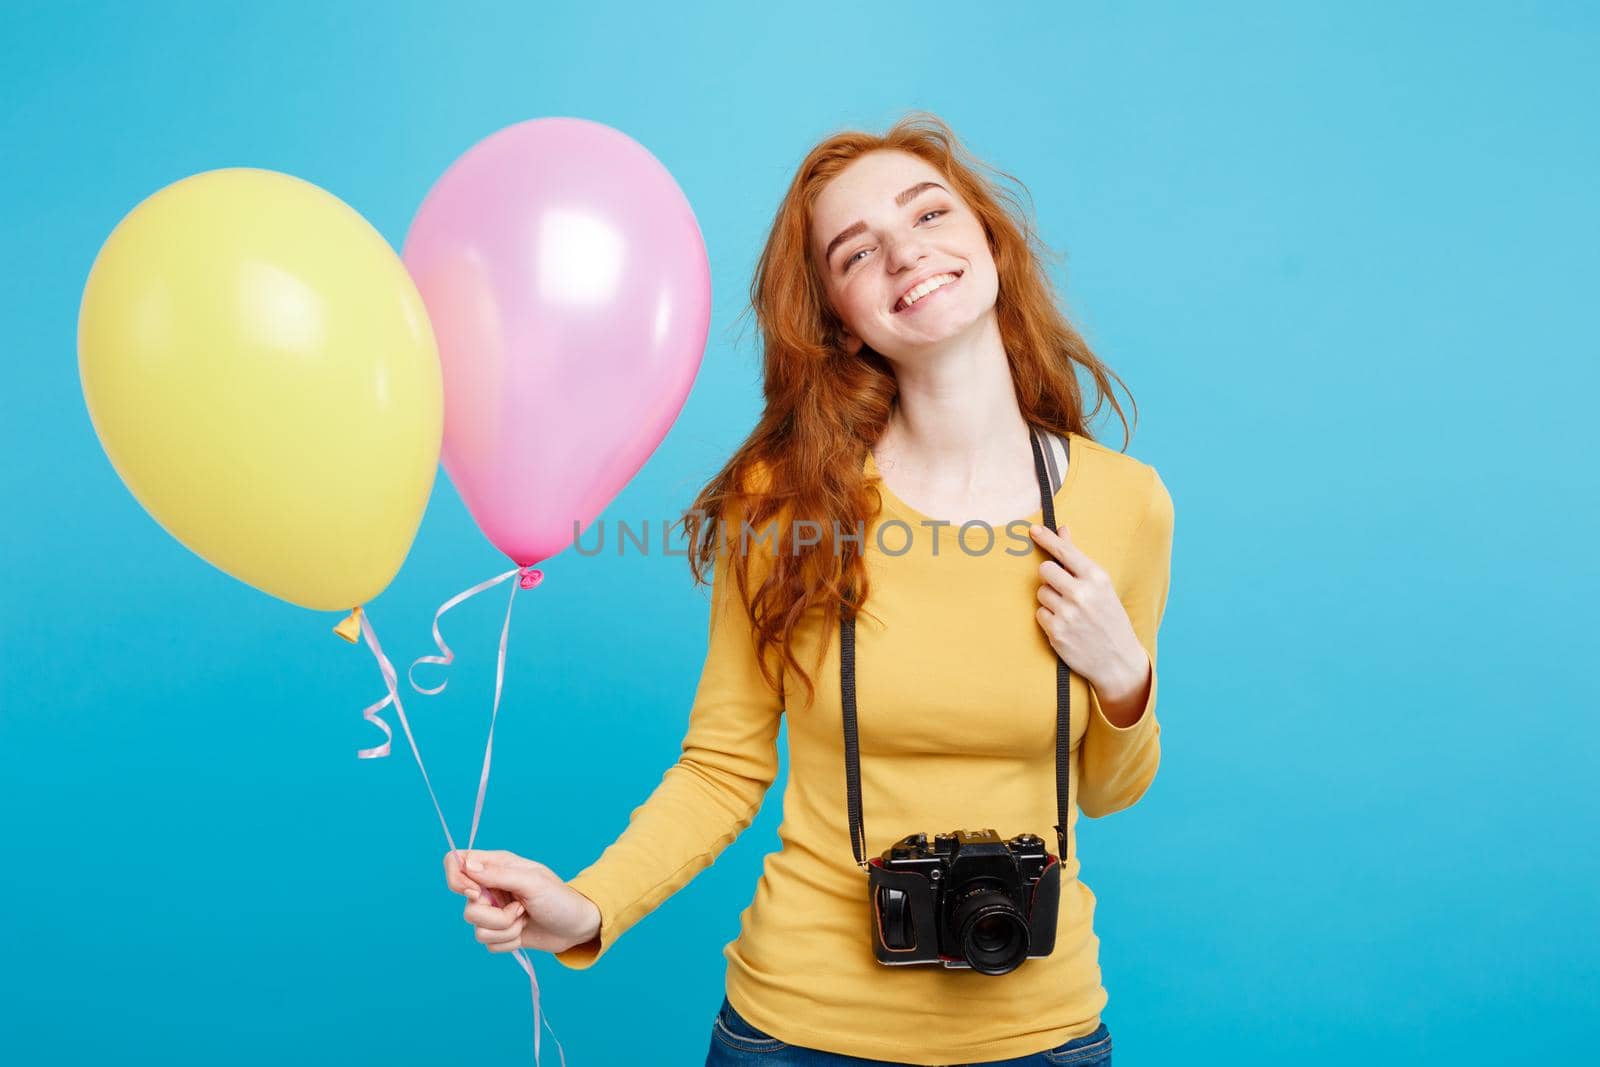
x=924, y=289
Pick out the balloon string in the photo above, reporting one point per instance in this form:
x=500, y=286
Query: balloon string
x=494, y=713
x=391, y=679
x=438, y=639
x=530, y=579
x=370, y=713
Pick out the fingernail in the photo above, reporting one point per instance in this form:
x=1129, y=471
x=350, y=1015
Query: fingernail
x=474, y=865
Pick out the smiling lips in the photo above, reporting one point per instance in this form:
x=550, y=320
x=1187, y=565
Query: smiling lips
x=914, y=295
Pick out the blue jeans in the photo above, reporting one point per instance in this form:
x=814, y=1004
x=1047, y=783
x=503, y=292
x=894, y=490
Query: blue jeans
x=735, y=1043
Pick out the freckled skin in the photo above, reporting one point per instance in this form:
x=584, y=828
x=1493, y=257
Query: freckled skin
x=933, y=233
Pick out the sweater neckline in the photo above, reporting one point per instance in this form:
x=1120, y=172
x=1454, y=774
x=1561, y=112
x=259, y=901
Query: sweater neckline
x=893, y=502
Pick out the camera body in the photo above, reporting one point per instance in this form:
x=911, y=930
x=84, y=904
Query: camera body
x=966, y=899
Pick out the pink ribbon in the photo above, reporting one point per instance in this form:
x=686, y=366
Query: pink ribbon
x=530, y=579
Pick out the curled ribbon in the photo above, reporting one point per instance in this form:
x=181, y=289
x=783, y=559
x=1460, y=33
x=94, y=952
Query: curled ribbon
x=370, y=713
x=530, y=579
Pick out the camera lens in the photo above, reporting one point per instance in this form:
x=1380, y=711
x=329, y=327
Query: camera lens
x=992, y=932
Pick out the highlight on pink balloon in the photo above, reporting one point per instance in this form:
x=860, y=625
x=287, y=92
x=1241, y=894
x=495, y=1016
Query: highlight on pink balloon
x=569, y=289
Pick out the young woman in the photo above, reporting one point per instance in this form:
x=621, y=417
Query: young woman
x=922, y=408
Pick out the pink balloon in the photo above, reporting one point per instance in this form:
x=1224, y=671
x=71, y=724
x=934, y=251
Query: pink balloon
x=570, y=293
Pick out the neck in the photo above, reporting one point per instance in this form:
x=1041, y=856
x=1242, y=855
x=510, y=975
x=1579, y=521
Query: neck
x=956, y=412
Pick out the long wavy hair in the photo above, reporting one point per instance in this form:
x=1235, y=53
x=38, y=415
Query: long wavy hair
x=825, y=408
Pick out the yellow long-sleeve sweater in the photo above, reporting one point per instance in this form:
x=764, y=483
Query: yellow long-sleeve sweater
x=957, y=717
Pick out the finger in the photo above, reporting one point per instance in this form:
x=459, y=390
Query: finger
x=495, y=857
x=482, y=913
x=491, y=855
x=505, y=861
x=1051, y=598
x=456, y=879
x=507, y=946
x=490, y=936
x=512, y=873
x=487, y=906
x=1048, y=622
x=493, y=938
x=1059, y=544
x=1055, y=575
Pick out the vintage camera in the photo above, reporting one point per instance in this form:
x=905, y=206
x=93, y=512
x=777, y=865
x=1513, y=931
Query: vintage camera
x=966, y=900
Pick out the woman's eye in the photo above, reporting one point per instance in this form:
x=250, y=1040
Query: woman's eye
x=935, y=212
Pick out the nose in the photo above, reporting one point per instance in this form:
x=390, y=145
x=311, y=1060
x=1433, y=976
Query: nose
x=905, y=251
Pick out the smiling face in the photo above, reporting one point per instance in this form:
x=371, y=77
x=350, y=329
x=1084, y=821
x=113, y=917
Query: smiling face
x=903, y=232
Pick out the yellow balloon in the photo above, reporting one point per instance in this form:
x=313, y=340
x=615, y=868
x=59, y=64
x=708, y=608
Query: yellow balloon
x=260, y=369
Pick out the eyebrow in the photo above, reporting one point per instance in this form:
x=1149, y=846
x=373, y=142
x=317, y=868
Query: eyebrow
x=900, y=201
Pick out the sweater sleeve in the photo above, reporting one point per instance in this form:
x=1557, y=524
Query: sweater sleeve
x=1119, y=763
x=712, y=793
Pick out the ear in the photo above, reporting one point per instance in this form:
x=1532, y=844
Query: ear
x=849, y=342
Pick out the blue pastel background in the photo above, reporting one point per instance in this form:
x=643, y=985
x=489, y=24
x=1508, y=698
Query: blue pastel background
x=1340, y=253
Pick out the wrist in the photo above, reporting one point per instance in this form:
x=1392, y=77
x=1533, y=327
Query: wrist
x=1124, y=707
x=1130, y=677
x=589, y=917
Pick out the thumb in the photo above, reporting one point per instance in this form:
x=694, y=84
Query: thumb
x=489, y=872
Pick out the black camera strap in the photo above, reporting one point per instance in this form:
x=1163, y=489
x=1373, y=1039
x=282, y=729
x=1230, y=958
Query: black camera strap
x=847, y=696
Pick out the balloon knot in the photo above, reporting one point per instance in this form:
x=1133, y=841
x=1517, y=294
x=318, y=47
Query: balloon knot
x=350, y=628
x=531, y=577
